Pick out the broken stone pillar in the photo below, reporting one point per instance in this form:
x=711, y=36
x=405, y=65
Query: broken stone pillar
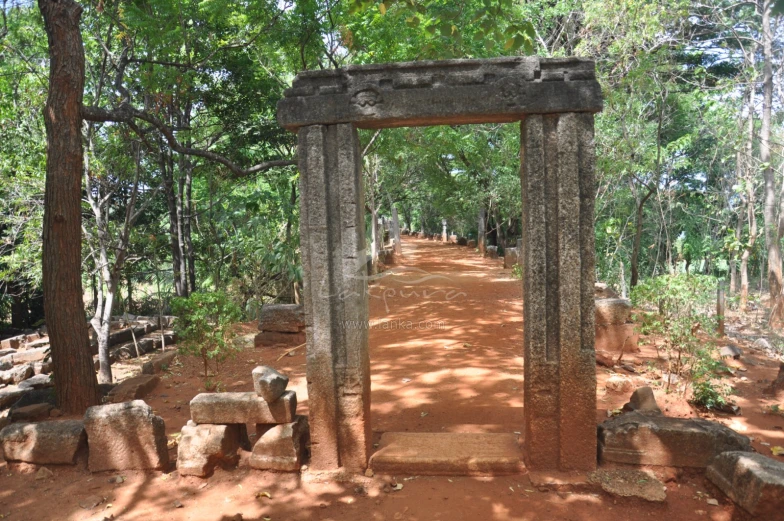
x=332, y=235
x=557, y=174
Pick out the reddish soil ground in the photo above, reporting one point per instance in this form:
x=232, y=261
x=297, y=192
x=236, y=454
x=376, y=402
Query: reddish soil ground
x=446, y=355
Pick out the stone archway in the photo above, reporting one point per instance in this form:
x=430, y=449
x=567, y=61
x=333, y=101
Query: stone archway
x=555, y=100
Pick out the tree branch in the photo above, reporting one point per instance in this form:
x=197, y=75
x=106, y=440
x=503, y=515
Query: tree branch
x=127, y=114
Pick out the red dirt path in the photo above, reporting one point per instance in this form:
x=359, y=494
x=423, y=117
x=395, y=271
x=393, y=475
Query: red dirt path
x=464, y=375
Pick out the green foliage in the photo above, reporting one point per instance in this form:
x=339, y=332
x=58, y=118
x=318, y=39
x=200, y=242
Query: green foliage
x=676, y=296
x=683, y=318
x=205, y=326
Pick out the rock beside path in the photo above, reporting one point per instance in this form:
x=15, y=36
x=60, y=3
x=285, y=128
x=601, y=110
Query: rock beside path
x=134, y=388
x=629, y=483
x=269, y=383
x=45, y=443
x=636, y=439
x=643, y=401
x=282, y=447
x=125, y=436
x=204, y=447
x=227, y=408
x=753, y=481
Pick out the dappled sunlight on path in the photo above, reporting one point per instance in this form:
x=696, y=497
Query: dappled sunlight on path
x=446, y=343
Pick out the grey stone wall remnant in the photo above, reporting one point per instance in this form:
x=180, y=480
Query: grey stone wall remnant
x=555, y=99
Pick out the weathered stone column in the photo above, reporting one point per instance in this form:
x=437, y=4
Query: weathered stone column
x=332, y=242
x=557, y=173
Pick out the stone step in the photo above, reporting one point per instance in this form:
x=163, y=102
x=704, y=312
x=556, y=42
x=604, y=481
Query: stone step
x=448, y=454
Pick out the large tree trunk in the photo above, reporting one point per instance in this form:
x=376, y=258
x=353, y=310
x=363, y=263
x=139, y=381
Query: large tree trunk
x=75, y=380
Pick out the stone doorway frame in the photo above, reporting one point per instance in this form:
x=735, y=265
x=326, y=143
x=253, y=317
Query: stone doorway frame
x=555, y=100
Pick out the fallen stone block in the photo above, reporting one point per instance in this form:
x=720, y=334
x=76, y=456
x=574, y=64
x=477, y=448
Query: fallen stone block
x=643, y=401
x=43, y=367
x=471, y=243
x=282, y=447
x=491, y=252
x=203, y=447
x=159, y=363
x=511, y=258
x=41, y=342
x=40, y=381
x=225, y=408
x=615, y=338
x=268, y=383
x=602, y=290
x=605, y=359
x=9, y=395
x=753, y=481
x=125, y=436
x=30, y=355
x=273, y=338
x=637, y=439
x=612, y=311
x=132, y=349
x=31, y=412
x=44, y=443
x=283, y=318
x=134, y=388
x=14, y=342
x=462, y=241
x=618, y=384
x=16, y=374
x=629, y=483
x=5, y=418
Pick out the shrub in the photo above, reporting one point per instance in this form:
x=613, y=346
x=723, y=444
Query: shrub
x=204, y=326
x=677, y=307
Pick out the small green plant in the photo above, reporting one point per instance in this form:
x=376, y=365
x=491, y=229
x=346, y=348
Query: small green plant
x=517, y=271
x=204, y=326
x=678, y=308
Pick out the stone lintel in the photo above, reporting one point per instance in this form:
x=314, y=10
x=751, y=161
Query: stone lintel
x=450, y=92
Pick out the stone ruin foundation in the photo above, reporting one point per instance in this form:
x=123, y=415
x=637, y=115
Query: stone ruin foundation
x=554, y=100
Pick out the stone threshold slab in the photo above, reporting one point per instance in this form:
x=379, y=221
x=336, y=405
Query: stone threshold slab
x=448, y=454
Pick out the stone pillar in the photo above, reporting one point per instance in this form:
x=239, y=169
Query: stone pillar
x=557, y=173
x=444, y=236
x=332, y=238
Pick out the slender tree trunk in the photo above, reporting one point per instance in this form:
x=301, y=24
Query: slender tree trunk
x=772, y=236
x=75, y=380
x=481, y=230
x=395, y=226
x=373, y=237
x=635, y=260
x=167, y=168
x=187, y=226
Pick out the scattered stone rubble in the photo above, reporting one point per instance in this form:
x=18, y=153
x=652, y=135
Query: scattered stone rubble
x=218, y=420
x=281, y=324
x=24, y=359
